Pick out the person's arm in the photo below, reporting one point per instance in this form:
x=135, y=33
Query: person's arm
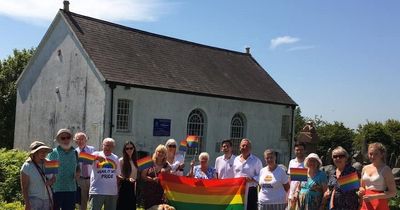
x=191, y=172
x=390, y=183
x=324, y=200
x=257, y=168
x=25, y=189
x=148, y=178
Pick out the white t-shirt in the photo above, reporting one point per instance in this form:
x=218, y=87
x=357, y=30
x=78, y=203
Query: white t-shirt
x=36, y=187
x=249, y=168
x=271, y=186
x=224, y=167
x=103, y=179
x=294, y=164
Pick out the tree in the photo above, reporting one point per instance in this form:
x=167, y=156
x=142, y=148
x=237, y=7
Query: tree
x=333, y=135
x=299, y=121
x=373, y=132
x=10, y=69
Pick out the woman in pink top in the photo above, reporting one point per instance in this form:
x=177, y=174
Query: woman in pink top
x=377, y=180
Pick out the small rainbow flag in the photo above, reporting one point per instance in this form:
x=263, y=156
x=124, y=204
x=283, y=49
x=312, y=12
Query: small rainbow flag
x=349, y=182
x=199, y=194
x=51, y=166
x=298, y=174
x=86, y=158
x=192, y=141
x=144, y=163
x=107, y=163
x=183, y=146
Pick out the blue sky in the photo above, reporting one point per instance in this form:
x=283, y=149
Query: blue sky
x=338, y=59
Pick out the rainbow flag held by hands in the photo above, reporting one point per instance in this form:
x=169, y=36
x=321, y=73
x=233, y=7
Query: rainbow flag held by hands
x=144, y=163
x=86, y=158
x=192, y=141
x=349, y=182
x=298, y=174
x=199, y=194
x=51, y=166
x=183, y=146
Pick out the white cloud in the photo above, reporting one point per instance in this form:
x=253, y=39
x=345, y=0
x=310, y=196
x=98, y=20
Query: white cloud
x=301, y=48
x=112, y=10
x=283, y=40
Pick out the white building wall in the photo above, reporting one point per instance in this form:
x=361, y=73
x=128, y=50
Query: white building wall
x=263, y=120
x=58, y=89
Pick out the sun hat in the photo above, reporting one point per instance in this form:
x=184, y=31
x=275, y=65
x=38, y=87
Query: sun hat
x=312, y=156
x=61, y=131
x=38, y=145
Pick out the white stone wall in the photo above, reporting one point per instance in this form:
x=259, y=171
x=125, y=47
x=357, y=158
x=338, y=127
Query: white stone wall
x=263, y=120
x=59, y=88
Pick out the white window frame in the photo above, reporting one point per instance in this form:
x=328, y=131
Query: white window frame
x=237, y=133
x=123, y=115
x=196, y=125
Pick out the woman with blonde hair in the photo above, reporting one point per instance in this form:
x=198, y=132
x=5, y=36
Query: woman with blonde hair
x=175, y=159
x=377, y=180
x=338, y=198
x=153, y=193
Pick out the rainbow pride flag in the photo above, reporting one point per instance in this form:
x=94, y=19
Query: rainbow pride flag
x=51, y=166
x=107, y=163
x=298, y=174
x=349, y=182
x=144, y=163
x=198, y=194
x=192, y=141
x=183, y=146
x=86, y=158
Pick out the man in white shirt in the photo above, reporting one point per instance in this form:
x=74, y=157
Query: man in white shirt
x=224, y=163
x=249, y=166
x=103, y=179
x=80, y=139
x=297, y=162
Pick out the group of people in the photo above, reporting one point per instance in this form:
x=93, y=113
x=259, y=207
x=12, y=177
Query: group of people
x=111, y=182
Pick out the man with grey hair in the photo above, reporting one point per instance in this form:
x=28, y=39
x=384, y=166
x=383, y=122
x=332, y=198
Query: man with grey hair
x=103, y=179
x=86, y=169
x=249, y=166
x=64, y=188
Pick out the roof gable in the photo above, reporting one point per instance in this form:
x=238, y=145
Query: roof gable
x=132, y=57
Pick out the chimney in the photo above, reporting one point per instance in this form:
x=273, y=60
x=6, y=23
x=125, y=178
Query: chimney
x=66, y=6
x=247, y=50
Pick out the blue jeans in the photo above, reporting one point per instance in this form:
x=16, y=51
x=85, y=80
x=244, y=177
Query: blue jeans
x=64, y=200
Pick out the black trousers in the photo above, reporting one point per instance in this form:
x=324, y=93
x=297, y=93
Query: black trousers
x=252, y=198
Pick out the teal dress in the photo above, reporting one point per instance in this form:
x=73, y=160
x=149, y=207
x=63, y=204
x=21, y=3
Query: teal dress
x=311, y=193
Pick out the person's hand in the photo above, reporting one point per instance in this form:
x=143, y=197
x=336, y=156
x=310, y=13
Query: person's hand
x=361, y=192
x=367, y=198
x=192, y=163
x=249, y=179
x=181, y=166
x=132, y=180
x=327, y=194
x=51, y=181
x=100, y=158
x=155, y=179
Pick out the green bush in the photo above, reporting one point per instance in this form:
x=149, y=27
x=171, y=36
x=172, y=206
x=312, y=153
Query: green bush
x=11, y=206
x=10, y=165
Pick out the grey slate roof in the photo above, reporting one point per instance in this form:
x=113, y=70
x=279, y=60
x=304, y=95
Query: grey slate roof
x=133, y=57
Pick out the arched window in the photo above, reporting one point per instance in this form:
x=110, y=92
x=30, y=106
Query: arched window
x=196, y=125
x=237, y=131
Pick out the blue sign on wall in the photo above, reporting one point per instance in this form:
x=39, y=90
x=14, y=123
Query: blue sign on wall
x=162, y=127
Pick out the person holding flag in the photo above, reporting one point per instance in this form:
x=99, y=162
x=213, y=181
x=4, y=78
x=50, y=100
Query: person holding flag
x=80, y=139
x=338, y=195
x=175, y=159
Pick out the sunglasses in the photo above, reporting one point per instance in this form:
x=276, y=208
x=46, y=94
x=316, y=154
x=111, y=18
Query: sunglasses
x=65, y=137
x=129, y=148
x=172, y=145
x=338, y=156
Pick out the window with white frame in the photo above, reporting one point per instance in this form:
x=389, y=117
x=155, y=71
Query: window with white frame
x=237, y=131
x=285, y=128
x=123, y=115
x=196, y=125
